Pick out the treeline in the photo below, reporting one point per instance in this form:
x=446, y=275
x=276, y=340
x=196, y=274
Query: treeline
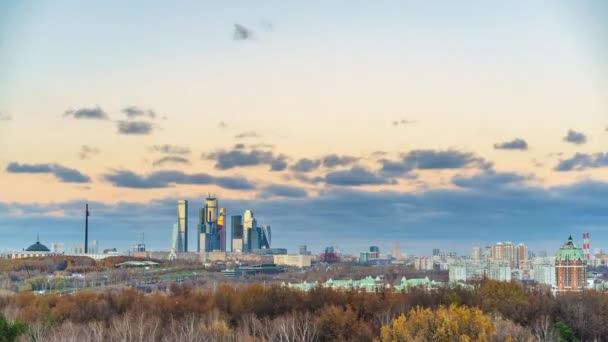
x=495, y=311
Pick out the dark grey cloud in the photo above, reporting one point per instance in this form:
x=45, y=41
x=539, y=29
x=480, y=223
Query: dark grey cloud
x=62, y=173
x=306, y=165
x=488, y=179
x=241, y=32
x=170, y=160
x=95, y=113
x=446, y=218
x=134, y=112
x=228, y=159
x=575, y=137
x=403, y=122
x=355, y=176
x=135, y=127
x=87, y=151
x=432, y=159
x=170, y=149
x=278, y=190
x=239, y=146
x=5, y=116
x=164, y=179
x=583, y=161
x=247, y=134
x=333, y=160
x=515, y=144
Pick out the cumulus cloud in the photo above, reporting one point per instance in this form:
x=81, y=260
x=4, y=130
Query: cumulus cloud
x=95, y=113
x=247, y=134
x=583, y=161
x=279, y=190
x=164, y=179
x=515, y=144
x=306, y=165
x=133, y=112
x=355, y=176
x=575, y=137
x=87, y=151
x=228, y=159
x=333, y=160
x=432, y=159
x=170, y=160
x=134, y=127
x=170, y=149
x=242, y=33
x=62, y=173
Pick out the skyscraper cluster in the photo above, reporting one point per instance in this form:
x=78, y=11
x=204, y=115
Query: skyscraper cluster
x=246, y=235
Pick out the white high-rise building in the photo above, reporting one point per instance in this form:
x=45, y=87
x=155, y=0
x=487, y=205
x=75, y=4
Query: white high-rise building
x=476, y=253
x=57, y=247
x=249, y=225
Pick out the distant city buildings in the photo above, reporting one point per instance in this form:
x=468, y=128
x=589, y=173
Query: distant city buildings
x=423, y=263
x=57, y=247
x=182, y=226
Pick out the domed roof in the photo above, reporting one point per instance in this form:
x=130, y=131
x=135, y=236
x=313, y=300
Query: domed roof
x=569, y=251
x=37, y=247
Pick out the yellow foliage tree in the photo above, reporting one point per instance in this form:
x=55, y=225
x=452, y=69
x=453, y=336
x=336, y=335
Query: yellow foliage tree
x=451, y=324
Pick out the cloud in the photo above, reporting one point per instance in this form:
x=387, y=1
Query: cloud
x=228, y=159
x=356, y=176
x=87, y=151
x=170, y=149
x=62, y=173
x=242, y=33
x=515, y=144
x=583, y=161
x=403, y=122
x=432, y=159
x=452, y=219
x=333, y=160
x=5, y=116
x=287, y=191
x=306, y=165
x=222, y=125
x=247, y=134
x=170, y=160
x=134, y=127
x=489, y=180
x=133, y=112
x=164, y=179
x=95, y=113
x=575, y=137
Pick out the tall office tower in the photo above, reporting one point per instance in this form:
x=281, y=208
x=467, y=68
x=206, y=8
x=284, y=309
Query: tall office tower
x=57, y=247
x=396, y=252
x=93, y=247
x=182, y=222
x=570, y=268
x=436, y=252
x=221, y=229
x=476, y=253
x=266, y=236
x=175, y=237
x=236, y=225
x=521, y=255
x=209, y=238
x=487, y=252
x=375, y=251
x=249, y=225
x=586, y=245
x=303, y=250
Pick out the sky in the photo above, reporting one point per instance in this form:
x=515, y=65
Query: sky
x=350, y=123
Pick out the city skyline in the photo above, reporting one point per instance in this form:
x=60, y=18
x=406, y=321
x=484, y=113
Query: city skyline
x=423, y=125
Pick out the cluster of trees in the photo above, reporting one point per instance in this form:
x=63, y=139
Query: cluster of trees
x=494, y=311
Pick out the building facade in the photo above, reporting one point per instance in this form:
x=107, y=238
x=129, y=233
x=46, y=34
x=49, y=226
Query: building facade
x=182, y=224
x=570, y=268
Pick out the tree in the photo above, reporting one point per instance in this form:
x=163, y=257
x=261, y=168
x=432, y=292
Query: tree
x=454, y=323
x=9, y=331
